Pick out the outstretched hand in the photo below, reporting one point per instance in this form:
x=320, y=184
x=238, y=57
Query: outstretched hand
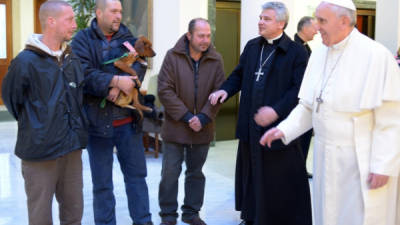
x=270, y=136
x=215, y=96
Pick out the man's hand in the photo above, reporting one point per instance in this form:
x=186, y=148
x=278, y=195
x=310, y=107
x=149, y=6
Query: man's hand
x=265, y=116
x=220, y=94
x=195, y=124
x=270, y=136
x=125, y=83
x=376, y=181
x=113, y=94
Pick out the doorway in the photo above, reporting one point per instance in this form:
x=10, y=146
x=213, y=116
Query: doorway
x=5, y=39
x=227, y=42
x=366, y=22
x=36, y=5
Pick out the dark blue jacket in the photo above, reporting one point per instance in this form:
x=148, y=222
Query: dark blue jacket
x=92, y=47
x=46, y=97
x=282, y=84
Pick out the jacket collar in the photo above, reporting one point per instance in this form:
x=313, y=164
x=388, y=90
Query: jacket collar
x=181, y=47
x=298, y=39
x=43, y=53
x=283, y=44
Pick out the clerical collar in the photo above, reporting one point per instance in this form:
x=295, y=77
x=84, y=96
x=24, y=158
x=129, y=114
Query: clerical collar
x=342, y=43
x=298, y=38
x=271, y=41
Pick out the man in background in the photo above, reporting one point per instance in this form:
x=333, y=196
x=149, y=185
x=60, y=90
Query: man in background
x=306, y=30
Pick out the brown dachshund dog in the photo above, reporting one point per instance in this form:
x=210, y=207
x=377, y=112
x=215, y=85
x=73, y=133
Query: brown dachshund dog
x=143, y=48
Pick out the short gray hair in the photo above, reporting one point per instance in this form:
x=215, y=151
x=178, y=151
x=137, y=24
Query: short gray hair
x=282, y=13
x=342, y=11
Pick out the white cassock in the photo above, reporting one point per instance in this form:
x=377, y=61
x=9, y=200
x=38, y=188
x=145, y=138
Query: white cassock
x=357, y=131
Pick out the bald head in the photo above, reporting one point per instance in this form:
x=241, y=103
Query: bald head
x=194, y=23
x=101, y=4
x=51, y=9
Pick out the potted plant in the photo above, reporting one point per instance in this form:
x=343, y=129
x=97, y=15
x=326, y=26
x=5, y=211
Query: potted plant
x=84, y=12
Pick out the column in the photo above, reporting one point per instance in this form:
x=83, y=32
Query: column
x=387, y=29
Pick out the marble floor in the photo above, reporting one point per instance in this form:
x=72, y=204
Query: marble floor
x=218, y=206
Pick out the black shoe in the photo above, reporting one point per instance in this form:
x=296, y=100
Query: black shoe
x=194, y=221
x=309, y=175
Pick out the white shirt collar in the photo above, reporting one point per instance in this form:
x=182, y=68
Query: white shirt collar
x=271, y=41
x=342, y=43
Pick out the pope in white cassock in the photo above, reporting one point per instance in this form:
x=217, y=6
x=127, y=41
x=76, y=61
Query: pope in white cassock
x=350, y=95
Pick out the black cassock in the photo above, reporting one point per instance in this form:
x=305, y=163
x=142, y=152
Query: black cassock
x=271, y=183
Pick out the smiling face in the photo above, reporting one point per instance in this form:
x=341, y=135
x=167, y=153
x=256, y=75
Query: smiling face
x=332, y=27
x=109, y=18
x=268, y=27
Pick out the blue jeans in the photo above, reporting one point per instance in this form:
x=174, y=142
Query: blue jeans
x=131, y=157
x=173, y=155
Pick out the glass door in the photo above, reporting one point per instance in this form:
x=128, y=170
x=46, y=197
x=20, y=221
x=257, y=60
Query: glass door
x=5, y=39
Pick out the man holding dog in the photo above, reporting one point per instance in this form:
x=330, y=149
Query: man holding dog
x=110, y=125
x=43, y=91
x=190, y=72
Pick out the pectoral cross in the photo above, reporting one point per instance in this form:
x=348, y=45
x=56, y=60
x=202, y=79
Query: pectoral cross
x=258, y=74
x=320, y=101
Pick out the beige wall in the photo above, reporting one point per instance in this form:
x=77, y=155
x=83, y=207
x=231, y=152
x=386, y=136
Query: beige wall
x=170, y=19
x=251, y=10
x=388, y=24
x=170, y=22
x=22, y=22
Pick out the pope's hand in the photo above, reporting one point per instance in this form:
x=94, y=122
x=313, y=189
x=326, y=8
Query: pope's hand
x=376, y=181
x=220, y=94
x=271, y=135
x=265, y=116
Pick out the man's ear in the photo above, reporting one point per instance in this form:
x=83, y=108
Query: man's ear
x=99, y=13
x=189, y=36
x=51, y=21
x=345, y=20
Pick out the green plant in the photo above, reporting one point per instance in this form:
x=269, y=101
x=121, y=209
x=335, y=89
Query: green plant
x=84, y=12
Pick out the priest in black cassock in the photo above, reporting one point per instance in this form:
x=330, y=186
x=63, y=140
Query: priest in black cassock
x=271, y=183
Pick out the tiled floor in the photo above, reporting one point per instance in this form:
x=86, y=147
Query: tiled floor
x=218, y=206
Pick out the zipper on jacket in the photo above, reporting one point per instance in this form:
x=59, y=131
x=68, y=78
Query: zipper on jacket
x=196, y=79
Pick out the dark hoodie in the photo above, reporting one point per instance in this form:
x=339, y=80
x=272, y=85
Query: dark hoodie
x=44, y=92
